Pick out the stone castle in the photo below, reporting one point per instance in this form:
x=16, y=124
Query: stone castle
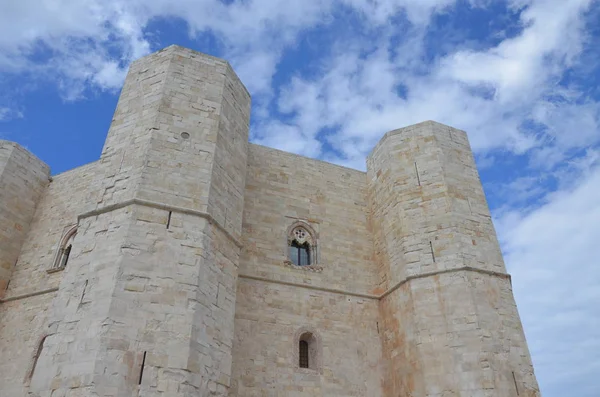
x=188, y=262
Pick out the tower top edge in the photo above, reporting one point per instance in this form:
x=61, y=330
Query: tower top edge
x=191, y=53
x=422, y=126
x=17, y=146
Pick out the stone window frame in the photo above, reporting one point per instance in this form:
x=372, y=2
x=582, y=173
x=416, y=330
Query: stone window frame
x=65, y=242
x=311, y=238
x=315, y=350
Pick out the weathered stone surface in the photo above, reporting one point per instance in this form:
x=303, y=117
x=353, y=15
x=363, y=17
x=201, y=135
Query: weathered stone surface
x=23, y=178
x=459, y=332
x=179, y=283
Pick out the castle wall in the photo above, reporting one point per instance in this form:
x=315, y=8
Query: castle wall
x=23, y=321
x=267, y=323
x=23, y=178
x=57, y=211
x=22, y=325
x=146, y=304
x=275, y=300
x=458, y=330
x=282, y=188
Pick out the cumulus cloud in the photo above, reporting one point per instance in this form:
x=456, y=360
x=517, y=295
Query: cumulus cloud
x=7, y=113
x=552, y=253
x=490, y=93
x=72, y=43
x=91, y=42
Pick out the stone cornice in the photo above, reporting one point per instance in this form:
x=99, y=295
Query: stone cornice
x=314, y=287
x=372, y=296
x=308, y=286
x=28, y=295
x=161, y=206
x=445, y=271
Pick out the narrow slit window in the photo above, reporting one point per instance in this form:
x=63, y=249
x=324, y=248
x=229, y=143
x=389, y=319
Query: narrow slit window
x=142, y=369
x=169, y=219
x=303, y=354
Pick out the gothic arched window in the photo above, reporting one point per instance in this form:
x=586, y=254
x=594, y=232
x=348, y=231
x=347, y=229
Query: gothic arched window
x=302, y=247
x=64, y=250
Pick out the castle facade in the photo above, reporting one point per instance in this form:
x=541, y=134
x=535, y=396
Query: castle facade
x=188, y=262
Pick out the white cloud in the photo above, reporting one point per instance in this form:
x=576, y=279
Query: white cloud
x=552, y=253
x=69, y=33
x=71, y=42
x=418, y=12
x=519, y=67
x=490, y=93
x=93, y=41
x=7, y=113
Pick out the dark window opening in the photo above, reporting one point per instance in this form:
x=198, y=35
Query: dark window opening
x=300, y=254
x=65, y=256
x=303, y=356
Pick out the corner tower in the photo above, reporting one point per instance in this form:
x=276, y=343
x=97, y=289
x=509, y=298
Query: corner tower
x=451, y=326
x=23, y=178
x=146, y=304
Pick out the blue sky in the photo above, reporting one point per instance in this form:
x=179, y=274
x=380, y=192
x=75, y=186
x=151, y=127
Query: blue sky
x=328, y=78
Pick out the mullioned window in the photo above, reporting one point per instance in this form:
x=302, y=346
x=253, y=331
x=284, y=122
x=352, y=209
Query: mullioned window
x=302, y=249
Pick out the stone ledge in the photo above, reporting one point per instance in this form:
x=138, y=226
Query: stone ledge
x=306, y=268
x=399, y=131
x=386, y=293
x=28, y=295
x=55, y=269
x=307, y=286
x=438, y=272
x=161, y=206
x=313, y=287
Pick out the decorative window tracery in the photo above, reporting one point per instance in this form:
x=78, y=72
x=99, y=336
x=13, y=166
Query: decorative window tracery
x=302, y=246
